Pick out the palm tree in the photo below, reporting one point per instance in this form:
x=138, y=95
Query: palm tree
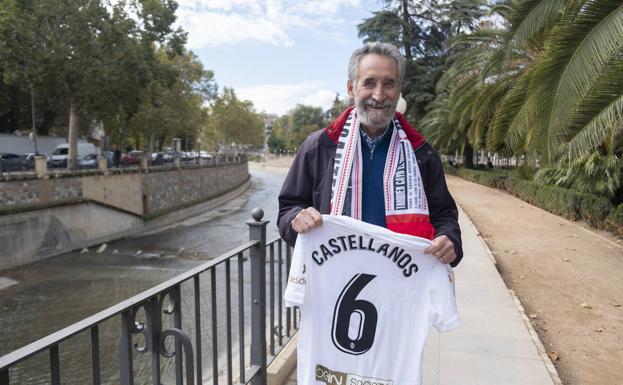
x=552, y=85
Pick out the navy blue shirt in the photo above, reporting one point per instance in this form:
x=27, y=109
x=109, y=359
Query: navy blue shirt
x=373, y=201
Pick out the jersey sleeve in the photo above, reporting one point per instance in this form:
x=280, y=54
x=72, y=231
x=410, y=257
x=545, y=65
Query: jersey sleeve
x=297, y=279
x=444, y=315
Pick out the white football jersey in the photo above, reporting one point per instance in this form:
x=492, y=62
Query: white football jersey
x=368, y=297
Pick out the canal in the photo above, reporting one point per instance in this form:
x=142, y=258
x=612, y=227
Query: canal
x=56, y=292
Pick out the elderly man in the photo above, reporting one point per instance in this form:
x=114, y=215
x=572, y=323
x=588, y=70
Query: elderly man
x=372, y=165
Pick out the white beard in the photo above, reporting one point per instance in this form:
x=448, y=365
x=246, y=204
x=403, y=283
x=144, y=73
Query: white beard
x=376, y=119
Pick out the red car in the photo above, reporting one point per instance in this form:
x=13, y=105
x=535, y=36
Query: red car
x=132, y=157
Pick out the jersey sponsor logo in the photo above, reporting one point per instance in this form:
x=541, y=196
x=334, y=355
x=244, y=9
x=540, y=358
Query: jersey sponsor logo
x=297, y=279
x=331, y=377
x=337, y=245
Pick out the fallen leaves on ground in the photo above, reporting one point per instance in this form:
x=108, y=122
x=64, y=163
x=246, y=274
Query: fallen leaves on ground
x=553, y=355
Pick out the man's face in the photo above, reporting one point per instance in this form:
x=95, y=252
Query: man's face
x=376, y=91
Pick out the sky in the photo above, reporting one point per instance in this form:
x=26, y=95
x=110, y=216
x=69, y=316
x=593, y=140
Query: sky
x=276, y=53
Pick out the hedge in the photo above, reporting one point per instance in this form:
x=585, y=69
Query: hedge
x=614, y=220
x=571, y=204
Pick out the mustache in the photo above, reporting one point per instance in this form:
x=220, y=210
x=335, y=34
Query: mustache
x=369, y=102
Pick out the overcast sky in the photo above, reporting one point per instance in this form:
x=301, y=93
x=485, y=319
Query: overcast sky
x=276, y=53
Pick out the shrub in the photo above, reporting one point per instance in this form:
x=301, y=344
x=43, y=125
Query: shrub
x=614, y=220
x=559, y=201
x=594, y=209
x=569, y=203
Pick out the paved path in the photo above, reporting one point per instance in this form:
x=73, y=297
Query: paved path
x=494, y=344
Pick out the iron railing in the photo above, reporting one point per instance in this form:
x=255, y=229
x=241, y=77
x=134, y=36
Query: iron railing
x=152, y=329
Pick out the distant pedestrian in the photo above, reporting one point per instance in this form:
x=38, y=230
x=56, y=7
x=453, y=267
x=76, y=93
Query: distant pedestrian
x=116, y=157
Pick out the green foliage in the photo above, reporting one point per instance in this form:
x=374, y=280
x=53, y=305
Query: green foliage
x=614, y=220
x=571, y=204
x=100, y=56
x=549, y=84
x=276, y=145
x=173, y=104
x=303, y=120
x=234, y=121
x=595, y=209
x=594, y=174
x=423, y=31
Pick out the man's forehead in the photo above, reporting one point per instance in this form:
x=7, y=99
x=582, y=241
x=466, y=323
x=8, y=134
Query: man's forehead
x=372, y=66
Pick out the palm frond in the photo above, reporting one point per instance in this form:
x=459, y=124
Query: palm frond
x=608, y=123
x=599, y=30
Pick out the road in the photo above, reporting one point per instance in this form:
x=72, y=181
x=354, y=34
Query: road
x=59, y=291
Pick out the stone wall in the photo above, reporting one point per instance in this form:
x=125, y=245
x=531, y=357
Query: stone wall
x=45, y=217
x=33, y=235
x=180, y=188
x=132, y=190
x=36, y=192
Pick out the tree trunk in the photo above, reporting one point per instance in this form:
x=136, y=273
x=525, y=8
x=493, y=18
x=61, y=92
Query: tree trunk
x=72, y=134
x=468, y=154
x=15, y=109
x=406, y=31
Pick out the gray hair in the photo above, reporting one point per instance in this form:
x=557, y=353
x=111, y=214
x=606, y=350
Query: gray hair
x=383, y=49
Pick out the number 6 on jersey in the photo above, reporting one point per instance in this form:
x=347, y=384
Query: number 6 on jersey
x=354, y=320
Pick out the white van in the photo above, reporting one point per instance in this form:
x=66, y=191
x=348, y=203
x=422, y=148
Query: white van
x=59, y=155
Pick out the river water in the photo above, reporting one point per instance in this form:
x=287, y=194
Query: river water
x=56, y=292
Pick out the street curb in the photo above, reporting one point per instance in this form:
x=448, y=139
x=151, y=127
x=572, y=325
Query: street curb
x=283, y=364
x=549, y=365
x=482, y=240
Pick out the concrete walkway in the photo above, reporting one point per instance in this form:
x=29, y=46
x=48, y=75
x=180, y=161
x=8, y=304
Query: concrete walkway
x=495, y=344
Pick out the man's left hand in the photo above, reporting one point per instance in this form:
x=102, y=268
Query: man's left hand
x=442, y=248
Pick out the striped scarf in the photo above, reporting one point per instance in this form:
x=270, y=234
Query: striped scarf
x=406, y=207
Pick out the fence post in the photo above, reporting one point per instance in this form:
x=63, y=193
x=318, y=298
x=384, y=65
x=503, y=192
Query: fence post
x=257, y=232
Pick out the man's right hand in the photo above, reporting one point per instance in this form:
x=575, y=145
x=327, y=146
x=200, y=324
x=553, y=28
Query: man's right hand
x=306, y=220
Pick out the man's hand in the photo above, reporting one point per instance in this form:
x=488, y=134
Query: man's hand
x=306, y=220
x=442, y=248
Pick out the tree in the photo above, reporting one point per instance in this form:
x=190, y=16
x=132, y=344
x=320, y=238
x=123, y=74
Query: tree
x=173, y=103
x=302, y=121
x=338, y=106
x=422, y=29
x=100, y=56
x=234, y=121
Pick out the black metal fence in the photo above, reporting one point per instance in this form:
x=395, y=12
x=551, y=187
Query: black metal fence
x=174, y=332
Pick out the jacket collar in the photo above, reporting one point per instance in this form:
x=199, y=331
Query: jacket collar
x=335, y=128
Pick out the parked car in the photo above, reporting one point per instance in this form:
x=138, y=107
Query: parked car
x=157, y=158
x=205, y=155
x=30, y=158
x=131, y=158
x=59, y=155
x=89, y=161
x=13, y=162
x=110, y=157
x=168, y=156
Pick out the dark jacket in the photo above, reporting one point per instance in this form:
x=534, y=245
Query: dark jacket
x=308, y=183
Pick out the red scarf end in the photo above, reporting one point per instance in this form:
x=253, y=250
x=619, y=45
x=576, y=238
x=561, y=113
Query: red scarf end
x=411, y=224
